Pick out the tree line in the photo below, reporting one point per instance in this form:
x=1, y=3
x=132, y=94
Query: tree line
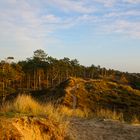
x=42, y=71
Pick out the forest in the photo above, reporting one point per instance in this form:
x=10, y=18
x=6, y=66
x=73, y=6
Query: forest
x=41, y=72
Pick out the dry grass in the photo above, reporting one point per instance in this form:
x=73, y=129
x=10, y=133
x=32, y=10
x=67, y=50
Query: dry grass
x=23, y=104
x=72, y=112
x=48, y=117
x=93, y=94
x=86, y=113
x=135, y=121
x=108, y=114
x=26, y=105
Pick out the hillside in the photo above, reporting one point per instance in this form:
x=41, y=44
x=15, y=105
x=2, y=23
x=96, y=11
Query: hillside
x=95, y=95
x=76, y=109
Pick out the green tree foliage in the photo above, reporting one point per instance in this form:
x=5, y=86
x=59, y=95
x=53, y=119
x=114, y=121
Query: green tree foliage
x=40, y=55
x=10, y=78
x=42, y=71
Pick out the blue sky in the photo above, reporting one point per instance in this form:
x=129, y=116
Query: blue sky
x=100, y=32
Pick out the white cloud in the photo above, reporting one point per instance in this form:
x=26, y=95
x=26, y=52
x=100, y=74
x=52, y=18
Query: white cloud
x=24, y=22
x=130, y=29
x=122, y=14
x=12, y=1
x=51, y=19
x=107, y=3
x=111, y=3
x=73, y=6
x=22, y=28
x=132, y=1
x=20, y=21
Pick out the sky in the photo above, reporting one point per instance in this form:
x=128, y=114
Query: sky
x=99, y=32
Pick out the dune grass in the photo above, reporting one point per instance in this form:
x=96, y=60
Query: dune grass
x=23, y=104
x=26, y=105
x=25, y=108
x=135, y=121
x=109, y=114
x=66, y=111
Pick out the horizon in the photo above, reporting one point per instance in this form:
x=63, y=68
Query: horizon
x=99, y=32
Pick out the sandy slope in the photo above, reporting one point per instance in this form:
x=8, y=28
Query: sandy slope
x=102, y=130
x=28, y=128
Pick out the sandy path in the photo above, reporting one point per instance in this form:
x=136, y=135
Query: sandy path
x=102, y=130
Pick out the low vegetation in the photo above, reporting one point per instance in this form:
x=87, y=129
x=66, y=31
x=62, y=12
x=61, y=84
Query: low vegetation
x=27, y=112
x=50, y=113
x=99, y=97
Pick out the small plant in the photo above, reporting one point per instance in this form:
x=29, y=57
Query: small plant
x=73, y=112
x=109, y=114
x=135, y=120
